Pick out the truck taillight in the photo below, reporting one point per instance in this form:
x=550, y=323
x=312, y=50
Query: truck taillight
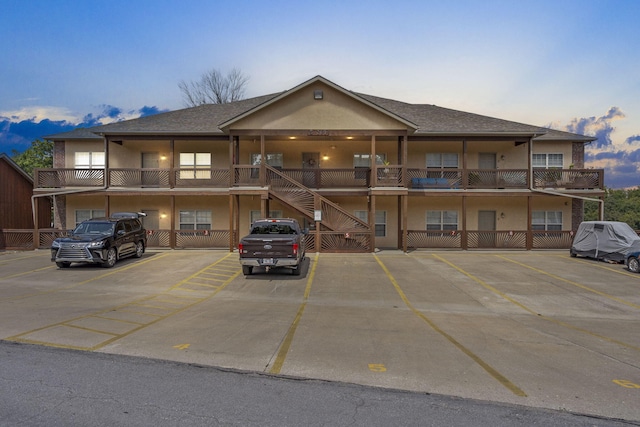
x=295, y=249
x=240, y=248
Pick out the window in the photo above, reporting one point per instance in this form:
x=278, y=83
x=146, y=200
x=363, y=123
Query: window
x=254, y=215
x=195, y=165
x=442, y=160
x=195, y=220
x=548, y=161
x=89, y=160
x=85, y=214
x=442, y=220
x=363, y=160
x=381, y=221
x=275, y=160
x=546, y=220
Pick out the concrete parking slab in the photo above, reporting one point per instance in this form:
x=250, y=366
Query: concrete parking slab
x=532, y=328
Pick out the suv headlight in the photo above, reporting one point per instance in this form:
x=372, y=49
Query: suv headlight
x=97, y=244
x=55, y=244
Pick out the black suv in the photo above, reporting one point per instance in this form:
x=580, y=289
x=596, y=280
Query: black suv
x=102, y=241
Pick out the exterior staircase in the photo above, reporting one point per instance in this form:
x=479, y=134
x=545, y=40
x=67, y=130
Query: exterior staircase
x=340, y=230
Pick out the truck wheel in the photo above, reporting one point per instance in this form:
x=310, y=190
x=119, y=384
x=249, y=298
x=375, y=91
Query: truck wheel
x=63, y=264
x=633, y=264
x=112, y=257
x=296, y=271
x=247, y=270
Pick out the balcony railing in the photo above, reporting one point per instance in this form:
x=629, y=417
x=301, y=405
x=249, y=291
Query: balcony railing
x=357, y=178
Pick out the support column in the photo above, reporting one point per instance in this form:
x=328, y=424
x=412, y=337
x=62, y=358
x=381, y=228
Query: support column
x=529, y=230
x=36, y=222
x=172, y=173
x=107, y=210
x=263, y=162
x=374, y=169
x=231, y=228
x=464, y=239
x=172, y=228
x=372, y=221
x=405, y=221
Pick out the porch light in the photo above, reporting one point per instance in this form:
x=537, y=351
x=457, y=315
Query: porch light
x=325, y=157
x=292, y=137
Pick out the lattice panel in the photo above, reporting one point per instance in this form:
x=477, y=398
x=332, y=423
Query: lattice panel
x=497, y=239
x=202, y=239
x=16, y=239
x=552, y=239
x=432, y=239
x=158, y=238
x=346, y=242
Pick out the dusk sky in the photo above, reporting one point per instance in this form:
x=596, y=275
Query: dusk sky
x=568, y=64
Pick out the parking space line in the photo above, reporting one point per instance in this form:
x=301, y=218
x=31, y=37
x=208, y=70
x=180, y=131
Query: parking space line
x=484, y=365
x=27, y=272
x=282, y=352
x=604, y=266
x=75, y=285
x=571, y=282
x=539, y=315
x=60, y=335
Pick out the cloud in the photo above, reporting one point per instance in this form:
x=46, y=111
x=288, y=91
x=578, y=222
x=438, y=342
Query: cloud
x=621, y=161
x=20, y=127
x=632, y=139
x=599, y=127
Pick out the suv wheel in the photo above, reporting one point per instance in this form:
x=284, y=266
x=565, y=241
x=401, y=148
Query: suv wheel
x=139, y=249
x=633, y=264
x=63, y=264
x=112, y=257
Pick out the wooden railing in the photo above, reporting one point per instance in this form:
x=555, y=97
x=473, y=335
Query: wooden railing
x=60, y=178
x=501, y=239
x=357, y=178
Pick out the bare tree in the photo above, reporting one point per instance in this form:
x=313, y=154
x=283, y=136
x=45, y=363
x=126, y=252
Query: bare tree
x=214, y=88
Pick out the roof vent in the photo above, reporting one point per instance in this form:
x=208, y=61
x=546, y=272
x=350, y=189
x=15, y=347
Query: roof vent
x=317, y=94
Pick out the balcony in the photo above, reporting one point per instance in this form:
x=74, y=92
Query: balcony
x=351, y=178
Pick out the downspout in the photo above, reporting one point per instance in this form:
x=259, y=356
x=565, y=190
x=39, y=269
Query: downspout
x=58, y=193
x=557, y=193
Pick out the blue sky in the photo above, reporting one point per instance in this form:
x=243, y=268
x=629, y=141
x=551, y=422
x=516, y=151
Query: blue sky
x=568, y=64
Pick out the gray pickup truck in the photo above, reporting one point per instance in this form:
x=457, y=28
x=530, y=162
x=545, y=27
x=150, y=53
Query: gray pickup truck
x=273, y=243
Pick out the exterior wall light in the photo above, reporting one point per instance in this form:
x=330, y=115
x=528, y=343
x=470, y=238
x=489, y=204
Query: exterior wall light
x=317, y=94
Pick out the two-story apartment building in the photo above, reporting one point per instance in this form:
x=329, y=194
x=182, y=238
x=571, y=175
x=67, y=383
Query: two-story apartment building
x=361, y=172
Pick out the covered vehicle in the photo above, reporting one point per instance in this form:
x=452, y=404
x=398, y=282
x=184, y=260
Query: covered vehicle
x=605, y=240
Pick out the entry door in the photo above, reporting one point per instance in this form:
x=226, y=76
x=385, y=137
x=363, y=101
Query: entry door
x=488, y=161
x=150, y=178
x=486, y=228
x=310, y=165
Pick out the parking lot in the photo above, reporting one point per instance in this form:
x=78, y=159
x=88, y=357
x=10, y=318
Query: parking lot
x=532, y=328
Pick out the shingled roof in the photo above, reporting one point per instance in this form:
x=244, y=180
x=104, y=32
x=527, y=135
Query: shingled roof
x=430, y=120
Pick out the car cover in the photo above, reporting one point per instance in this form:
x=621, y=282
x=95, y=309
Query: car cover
x=606, y=240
